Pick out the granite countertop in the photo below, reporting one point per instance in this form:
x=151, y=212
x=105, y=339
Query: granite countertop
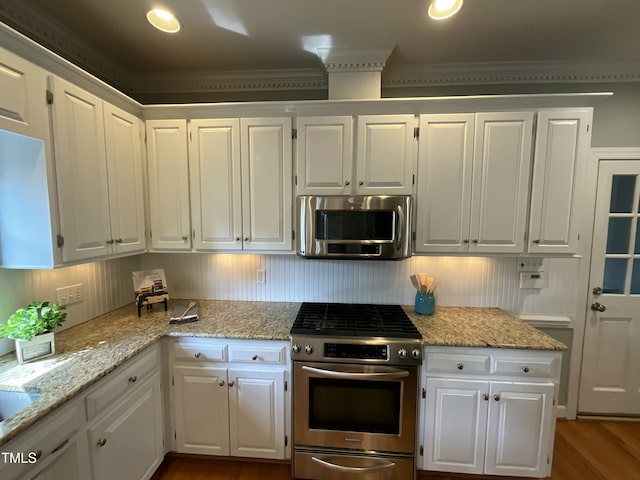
x=90, y=351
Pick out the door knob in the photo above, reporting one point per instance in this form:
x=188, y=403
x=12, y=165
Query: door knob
x=598, y=307
x=597, y=291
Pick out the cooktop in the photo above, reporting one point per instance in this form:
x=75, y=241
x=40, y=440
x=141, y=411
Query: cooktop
x=353, y=320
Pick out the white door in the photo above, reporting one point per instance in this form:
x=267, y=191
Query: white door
x=520, y=429
x=202, y=410
x=501, y=173
x=168, y=184
x=386, y=155
x=456, y=425
x=266, y=183
x=324, y=157
x=445, y=159
x=124, y=167
x=256, y=413
x=610, y=380
x=81, y=169
x=214, y=170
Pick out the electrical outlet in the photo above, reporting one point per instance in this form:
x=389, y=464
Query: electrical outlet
x=530, y=264
x=261, y=276
x=70, y=294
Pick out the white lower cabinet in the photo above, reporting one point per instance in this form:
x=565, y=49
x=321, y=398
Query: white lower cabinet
x=486, y=422
x=223, y=406
x=69, y=462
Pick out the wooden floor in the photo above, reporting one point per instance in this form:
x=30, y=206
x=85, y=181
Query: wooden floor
x=584, y=450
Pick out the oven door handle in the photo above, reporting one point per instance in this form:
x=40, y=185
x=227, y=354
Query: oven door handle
x=391, y=373
x=381, y=465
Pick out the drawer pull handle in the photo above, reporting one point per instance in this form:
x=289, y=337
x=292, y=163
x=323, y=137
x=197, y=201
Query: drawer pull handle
x=232, y=383
x=525, y=369
x=133, y=378
x=254, y=357
x=101, y=442
x=197, y=355
x=496, y=398
x=221, y=383
x=59, y=447
x=485, y=397
x=460, y=366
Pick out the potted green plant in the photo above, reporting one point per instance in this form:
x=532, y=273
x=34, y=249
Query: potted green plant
x=32, y=329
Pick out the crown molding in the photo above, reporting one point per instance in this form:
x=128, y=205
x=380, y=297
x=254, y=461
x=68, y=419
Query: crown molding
x=496, y=73
x=337, y=60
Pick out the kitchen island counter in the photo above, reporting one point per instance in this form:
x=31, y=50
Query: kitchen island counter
x=88, y=352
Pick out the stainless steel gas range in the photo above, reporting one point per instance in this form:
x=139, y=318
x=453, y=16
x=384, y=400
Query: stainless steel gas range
x=355, y=392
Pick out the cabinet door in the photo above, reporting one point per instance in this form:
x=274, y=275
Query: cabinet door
x=455, y=425
x=444, y=183
x=22, y=89
x=266, y=183
x=520, y=429
x=386, y=155
x=127, y=443
x=502, y=160
x=324, y=155
x=256, y=413
x=214, y=169
x=124, y=168
x=562, y=140
x=168, y=184
x=70, y=462
x=202, y=410
x=81, y=168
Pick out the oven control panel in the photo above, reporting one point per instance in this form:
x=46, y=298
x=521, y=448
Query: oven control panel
x=361, y=352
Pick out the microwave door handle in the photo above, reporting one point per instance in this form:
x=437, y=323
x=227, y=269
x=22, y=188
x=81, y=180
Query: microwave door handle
x=392, y=374
x=380, y=465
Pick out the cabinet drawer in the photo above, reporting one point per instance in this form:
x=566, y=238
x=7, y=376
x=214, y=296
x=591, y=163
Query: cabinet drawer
x=199, y=351
x=120, y=382
x=262, y=354
x=526, y=367
x=453, y=362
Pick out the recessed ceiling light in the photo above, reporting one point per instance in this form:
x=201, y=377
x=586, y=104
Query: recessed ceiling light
x=163, y=20
x=441, y=9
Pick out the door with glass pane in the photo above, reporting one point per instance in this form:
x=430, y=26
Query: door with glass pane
x=610, y=381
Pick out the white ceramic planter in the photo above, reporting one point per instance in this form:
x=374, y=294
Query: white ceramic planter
x=39, y=347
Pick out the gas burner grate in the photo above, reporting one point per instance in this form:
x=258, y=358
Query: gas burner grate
x=354, y=320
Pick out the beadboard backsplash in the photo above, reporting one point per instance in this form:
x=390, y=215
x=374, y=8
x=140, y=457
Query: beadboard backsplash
x=462, y=281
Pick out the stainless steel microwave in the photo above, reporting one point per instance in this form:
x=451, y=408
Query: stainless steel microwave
x=342, y=226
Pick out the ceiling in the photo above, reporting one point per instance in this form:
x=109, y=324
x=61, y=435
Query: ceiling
x=235, y=41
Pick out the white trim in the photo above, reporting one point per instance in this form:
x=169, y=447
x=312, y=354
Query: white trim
x=617, y=153
x=353, y=60
x=561, y=411
x=546, y=321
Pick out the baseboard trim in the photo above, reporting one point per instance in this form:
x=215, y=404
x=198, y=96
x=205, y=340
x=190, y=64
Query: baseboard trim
x=561, y=411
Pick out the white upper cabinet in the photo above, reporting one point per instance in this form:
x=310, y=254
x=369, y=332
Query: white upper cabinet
x=81, y=168
x=445, y=164
x=215, y=180
x=563, y=138
x=124, y=169
x=501, y=173
x=168, y=166
x=266, y=183
x=385, y=155
x=241, y=183
x=473, y=182
x=324, y=155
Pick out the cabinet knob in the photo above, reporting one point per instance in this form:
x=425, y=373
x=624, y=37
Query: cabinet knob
x=536, y=240
x=485, y=397
x=232, y=383
x=246, y=239
x=39, y=454
x=360, y=183
x=347, y=182
x=118, y=240
x=110, y=241
x=184, y=238
x=221, y=383
x=102, y=442
x=466, y=240
x=525, y=369
x=496, y=398
x=237, y=239
x=133, y=379
x=460, y=366
x=254, y=357
x=475, y=240
x=197, y=355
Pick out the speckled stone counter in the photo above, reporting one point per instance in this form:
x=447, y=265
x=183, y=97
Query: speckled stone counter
x=90, y=351
x=480, y=327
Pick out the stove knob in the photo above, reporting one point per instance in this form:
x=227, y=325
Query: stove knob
x=402, y=353
x=295, y=348
x=308, y=349
x=415, y=353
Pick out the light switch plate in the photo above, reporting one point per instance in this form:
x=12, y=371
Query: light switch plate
x=533, y=280
x=70, y=294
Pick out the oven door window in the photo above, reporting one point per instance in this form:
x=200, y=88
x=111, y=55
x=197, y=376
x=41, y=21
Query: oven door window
x=354, y=405
x=355, y=225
